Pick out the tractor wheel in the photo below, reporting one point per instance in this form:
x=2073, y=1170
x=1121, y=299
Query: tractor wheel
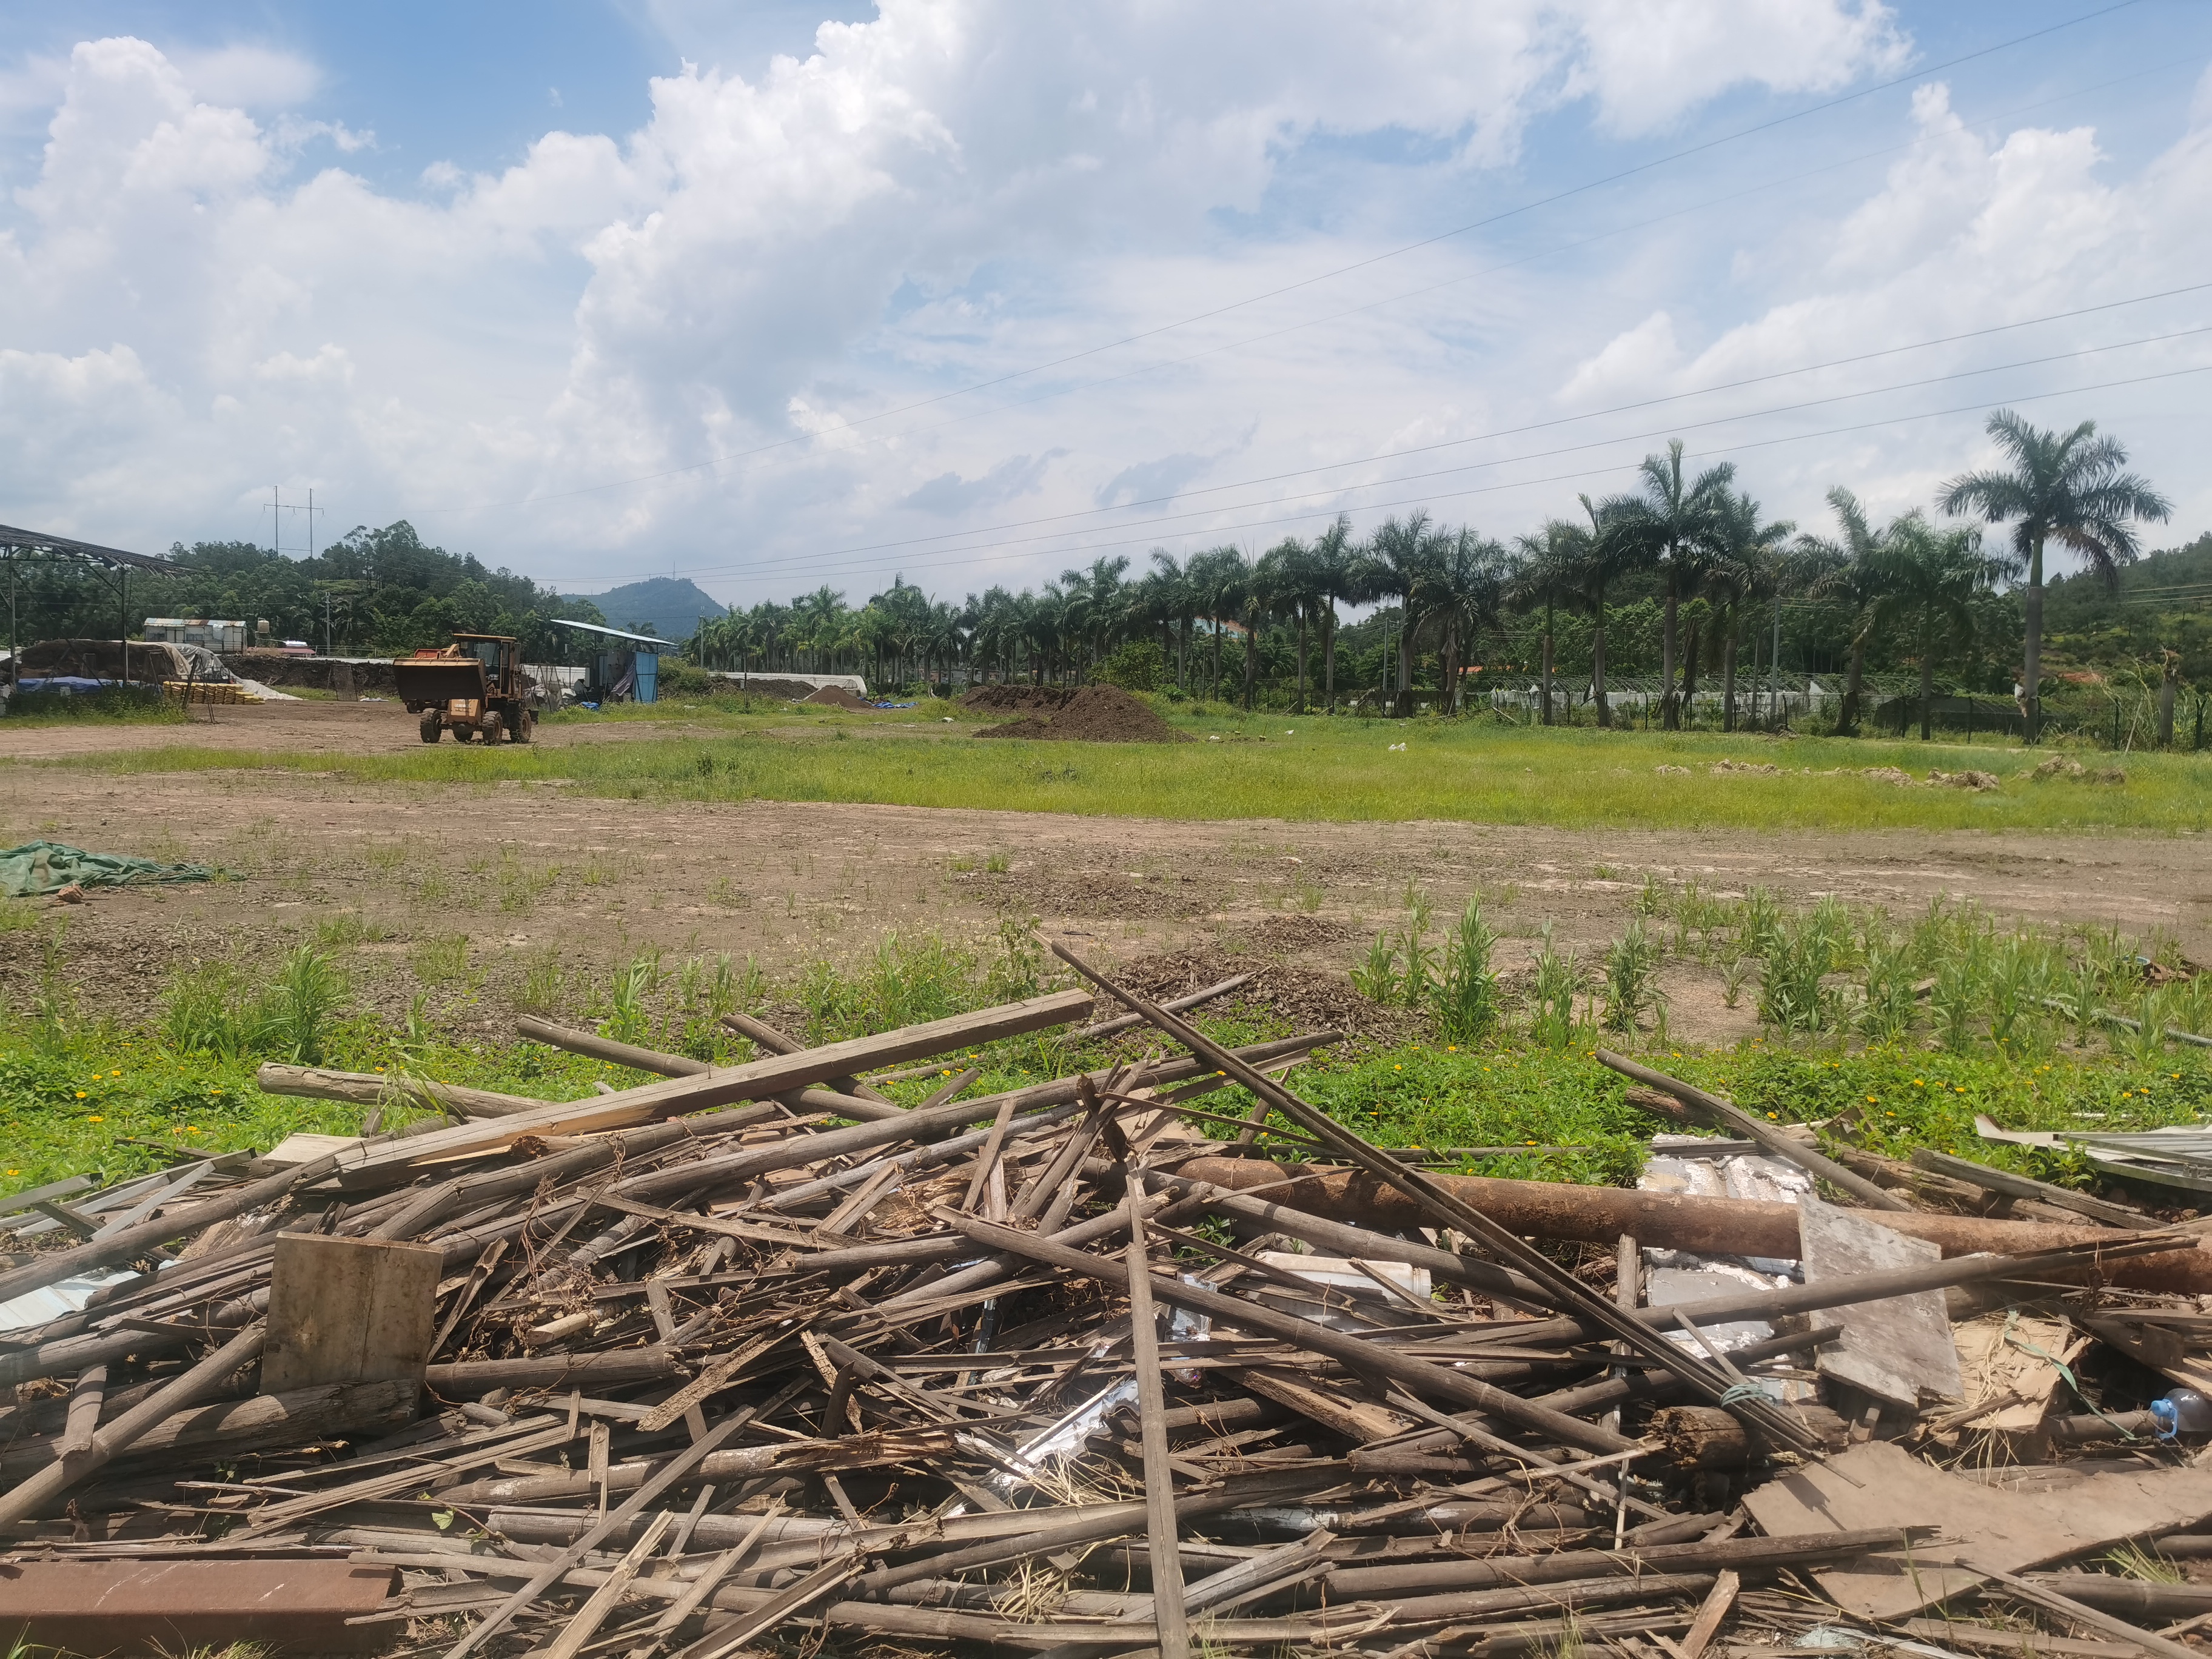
x=490, y=726
x=526, y=723
x=431, y=725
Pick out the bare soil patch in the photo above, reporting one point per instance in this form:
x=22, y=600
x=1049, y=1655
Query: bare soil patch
x=1094, y=714
x=459, y=891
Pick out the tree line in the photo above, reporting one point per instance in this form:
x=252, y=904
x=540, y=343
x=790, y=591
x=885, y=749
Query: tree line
x=1701, y=548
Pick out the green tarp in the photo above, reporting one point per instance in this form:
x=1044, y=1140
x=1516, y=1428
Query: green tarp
x=47, y=866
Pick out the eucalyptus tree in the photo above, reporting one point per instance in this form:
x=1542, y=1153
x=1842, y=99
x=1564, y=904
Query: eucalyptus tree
x=1854, y=573
x=1751, y=567
x=1671, y=521
x=1931, y=579
x=2069, y=485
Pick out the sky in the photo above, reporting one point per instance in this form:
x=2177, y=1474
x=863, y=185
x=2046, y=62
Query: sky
x=971, y=292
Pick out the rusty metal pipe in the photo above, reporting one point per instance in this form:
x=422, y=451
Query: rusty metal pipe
x=1718, y=1226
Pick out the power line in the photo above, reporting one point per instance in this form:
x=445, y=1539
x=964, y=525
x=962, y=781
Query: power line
x=1564, y=420
x=1154, y=524
x=1384, y=257
x=1311, y=514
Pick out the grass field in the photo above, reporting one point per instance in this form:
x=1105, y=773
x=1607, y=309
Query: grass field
x=79, y=1098
x=1297, y=768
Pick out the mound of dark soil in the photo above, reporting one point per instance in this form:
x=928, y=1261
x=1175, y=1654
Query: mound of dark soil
x=836, y=696
x=1017, y=699
x=1306, y=1000
x=1096, y=714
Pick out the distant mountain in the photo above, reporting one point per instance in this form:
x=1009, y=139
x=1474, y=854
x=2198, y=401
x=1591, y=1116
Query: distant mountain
x=659, y=604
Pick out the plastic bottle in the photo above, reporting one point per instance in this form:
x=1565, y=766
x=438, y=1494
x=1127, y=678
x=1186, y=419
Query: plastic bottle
x=2182, y=1411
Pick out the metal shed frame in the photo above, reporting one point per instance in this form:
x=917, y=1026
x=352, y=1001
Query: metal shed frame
x=16, y=546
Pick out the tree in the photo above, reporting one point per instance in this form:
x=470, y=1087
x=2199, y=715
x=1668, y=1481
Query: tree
x=1673, y=523
x=1931, y=577
x=1601, y=554
x=1854, y=573
x=2069, y=485
x=1549, y=574
x=1749, y=568
x=1218, y=578
x=1465, y=590
x=1333, y=562
x=1407, y=550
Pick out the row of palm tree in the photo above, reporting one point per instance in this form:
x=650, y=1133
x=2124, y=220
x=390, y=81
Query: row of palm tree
x=1689, y=535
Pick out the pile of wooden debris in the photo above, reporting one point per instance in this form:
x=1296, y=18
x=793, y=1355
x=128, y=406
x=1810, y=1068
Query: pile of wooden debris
x=755, y=1355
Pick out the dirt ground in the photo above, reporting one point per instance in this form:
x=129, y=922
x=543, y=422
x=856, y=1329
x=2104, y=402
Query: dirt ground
x=461, y=892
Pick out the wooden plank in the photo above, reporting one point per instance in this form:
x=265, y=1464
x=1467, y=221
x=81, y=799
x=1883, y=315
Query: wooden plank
x=1897, y=1349
x=758, y=1080
x=1718, y=1601
x=349, y=1310
x=1882, y=1484
x=1171, y=1624
x=2020, y=1185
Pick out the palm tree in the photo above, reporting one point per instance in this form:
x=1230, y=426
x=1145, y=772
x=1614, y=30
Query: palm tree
x=1749, y=568
x=1218, y=578
x=1549, y=573
x=1408, y=550
x=1671, y=523
x=1933, y=578
x=1854, y=573
x=1466, y=591
x=1333, y=563
x=1166, y=599
x=2070, y=486
x=1602, y=553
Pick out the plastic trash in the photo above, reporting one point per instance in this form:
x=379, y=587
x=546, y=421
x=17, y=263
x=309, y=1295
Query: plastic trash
x=2182, y=1411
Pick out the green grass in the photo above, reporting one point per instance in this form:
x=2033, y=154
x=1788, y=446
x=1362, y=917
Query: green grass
x=1297, y=768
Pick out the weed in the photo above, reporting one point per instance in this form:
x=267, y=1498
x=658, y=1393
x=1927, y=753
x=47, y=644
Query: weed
x=1735, y=970
x=731, y=896
x=341, y=932
x=440, y=959
x=1757, y=918
x=1631, y=969
x=54, y=1003
x=962, y=864
x=18, y=918
x=2146, y=1044
x=211, y=1009
x=1467, y=999
x=1375, y=978
x=1800, y=955
x=907, y=979
x=1019, y=972
x=1552, y=995
x=1887, y=1007
x=1651, y=899
x=629, y=1017
x=544, y=984
x=997, y=864
x=1955, y=999
x=1308, y=893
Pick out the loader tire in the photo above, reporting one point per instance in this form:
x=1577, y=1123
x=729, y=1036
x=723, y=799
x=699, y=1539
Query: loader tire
x=431, y=725
x=490, y=727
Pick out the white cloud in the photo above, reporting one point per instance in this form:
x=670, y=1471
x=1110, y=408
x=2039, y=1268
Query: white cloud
x=733, y=298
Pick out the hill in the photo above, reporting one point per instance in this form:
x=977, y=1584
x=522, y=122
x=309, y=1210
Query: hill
x=659, y=604
x=2164, y=603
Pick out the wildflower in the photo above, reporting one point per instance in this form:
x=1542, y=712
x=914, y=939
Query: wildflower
x=95, y=1119
x=1917, y=1083
x=80, y=1094
x=1871, y=1101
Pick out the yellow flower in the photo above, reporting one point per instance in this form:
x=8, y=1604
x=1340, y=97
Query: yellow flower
x=80, y=1094
x=96, y=1120
x=15, y=1172
x=1453, y=1048
x=1871, y=1101
x=1917, y=1083
x=117, y=1072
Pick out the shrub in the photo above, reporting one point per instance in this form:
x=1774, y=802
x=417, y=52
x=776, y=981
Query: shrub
x=1135, y=665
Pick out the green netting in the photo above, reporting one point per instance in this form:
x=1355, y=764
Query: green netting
x=47, y=866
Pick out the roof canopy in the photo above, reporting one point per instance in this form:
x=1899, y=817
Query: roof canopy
x=29, y=541
x=617, y=633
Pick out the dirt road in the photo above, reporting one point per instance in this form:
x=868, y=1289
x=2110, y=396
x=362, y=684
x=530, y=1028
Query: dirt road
x=534, y=874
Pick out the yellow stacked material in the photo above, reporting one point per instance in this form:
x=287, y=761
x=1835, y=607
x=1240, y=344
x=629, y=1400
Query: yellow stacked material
x=206, y=691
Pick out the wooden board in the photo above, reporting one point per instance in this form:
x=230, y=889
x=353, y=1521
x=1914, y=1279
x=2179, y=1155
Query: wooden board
x=2001, y=1357
x=1898, y=1349
x=759, y=1080
x=1881, y=1484
x=349, y=1310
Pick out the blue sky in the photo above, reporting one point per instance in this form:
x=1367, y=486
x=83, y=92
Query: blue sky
x=602, y=290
